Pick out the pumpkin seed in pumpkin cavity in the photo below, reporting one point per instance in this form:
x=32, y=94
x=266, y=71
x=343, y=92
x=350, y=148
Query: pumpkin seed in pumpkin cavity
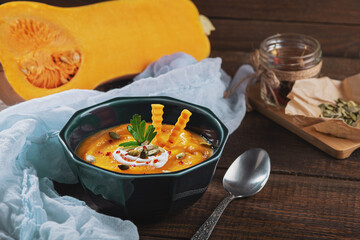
x=65, y=60
x=114, y=135
x=76, y=57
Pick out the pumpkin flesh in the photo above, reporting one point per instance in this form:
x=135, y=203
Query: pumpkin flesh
x=46, y=49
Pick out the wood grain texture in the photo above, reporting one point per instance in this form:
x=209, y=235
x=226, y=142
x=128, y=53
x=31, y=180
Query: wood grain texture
x=246, y=35
x=321, y=11
x=289, y=207
x=242, y=25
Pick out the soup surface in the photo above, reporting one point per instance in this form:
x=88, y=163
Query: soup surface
x=102, y=149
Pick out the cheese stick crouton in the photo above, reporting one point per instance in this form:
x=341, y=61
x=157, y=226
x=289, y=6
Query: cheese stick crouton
x=179, y=126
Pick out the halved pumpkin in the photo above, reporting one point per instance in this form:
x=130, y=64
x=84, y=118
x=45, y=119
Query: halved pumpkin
x=46, y=49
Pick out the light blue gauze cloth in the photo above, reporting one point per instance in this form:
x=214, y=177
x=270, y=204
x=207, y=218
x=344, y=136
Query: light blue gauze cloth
x=31, y=155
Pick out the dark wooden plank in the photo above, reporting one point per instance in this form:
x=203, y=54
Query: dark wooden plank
x=289, y=207
x=246, y=35
x=156, y=238
x=321, y=11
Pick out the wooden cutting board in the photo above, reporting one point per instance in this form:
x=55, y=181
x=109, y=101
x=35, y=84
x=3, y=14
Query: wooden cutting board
x=336, y=147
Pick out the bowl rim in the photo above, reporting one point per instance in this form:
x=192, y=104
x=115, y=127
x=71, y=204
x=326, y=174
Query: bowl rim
x=216, y=155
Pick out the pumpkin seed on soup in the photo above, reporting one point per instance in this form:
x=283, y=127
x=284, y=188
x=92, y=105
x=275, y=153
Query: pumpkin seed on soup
x=180, y=155
x=123, y=167
x=90, y=158
x=151, y=147
x=143, y=154
x=139, y=148
x=114, y=135
x=153, y=152
x=134, y=152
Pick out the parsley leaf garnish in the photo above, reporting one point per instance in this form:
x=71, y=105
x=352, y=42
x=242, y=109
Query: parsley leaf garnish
x=150, y=133
x=137, y=130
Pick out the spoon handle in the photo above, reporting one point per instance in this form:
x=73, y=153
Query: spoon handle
x=206, y=229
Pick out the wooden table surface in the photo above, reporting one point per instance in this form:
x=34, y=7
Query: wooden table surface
x=309, y=195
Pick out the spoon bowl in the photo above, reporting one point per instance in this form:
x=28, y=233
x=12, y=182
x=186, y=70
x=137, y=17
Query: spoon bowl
x=246, y=176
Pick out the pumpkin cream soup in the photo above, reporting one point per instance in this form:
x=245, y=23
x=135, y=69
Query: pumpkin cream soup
x=144, y=148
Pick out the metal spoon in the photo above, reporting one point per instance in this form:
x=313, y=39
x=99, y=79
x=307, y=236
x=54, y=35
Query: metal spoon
x=246, y=176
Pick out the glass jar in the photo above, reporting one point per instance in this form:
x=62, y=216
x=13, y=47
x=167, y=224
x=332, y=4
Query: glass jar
x=290, y=57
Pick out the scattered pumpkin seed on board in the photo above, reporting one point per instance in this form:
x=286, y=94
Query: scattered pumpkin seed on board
x=349, y=111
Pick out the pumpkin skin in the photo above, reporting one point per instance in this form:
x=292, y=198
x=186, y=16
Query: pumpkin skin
x=46, y=49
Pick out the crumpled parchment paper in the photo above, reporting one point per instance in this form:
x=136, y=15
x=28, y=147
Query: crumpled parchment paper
x=306, y=96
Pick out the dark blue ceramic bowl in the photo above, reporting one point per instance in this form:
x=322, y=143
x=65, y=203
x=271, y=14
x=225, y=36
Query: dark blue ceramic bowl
x=142, y=197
